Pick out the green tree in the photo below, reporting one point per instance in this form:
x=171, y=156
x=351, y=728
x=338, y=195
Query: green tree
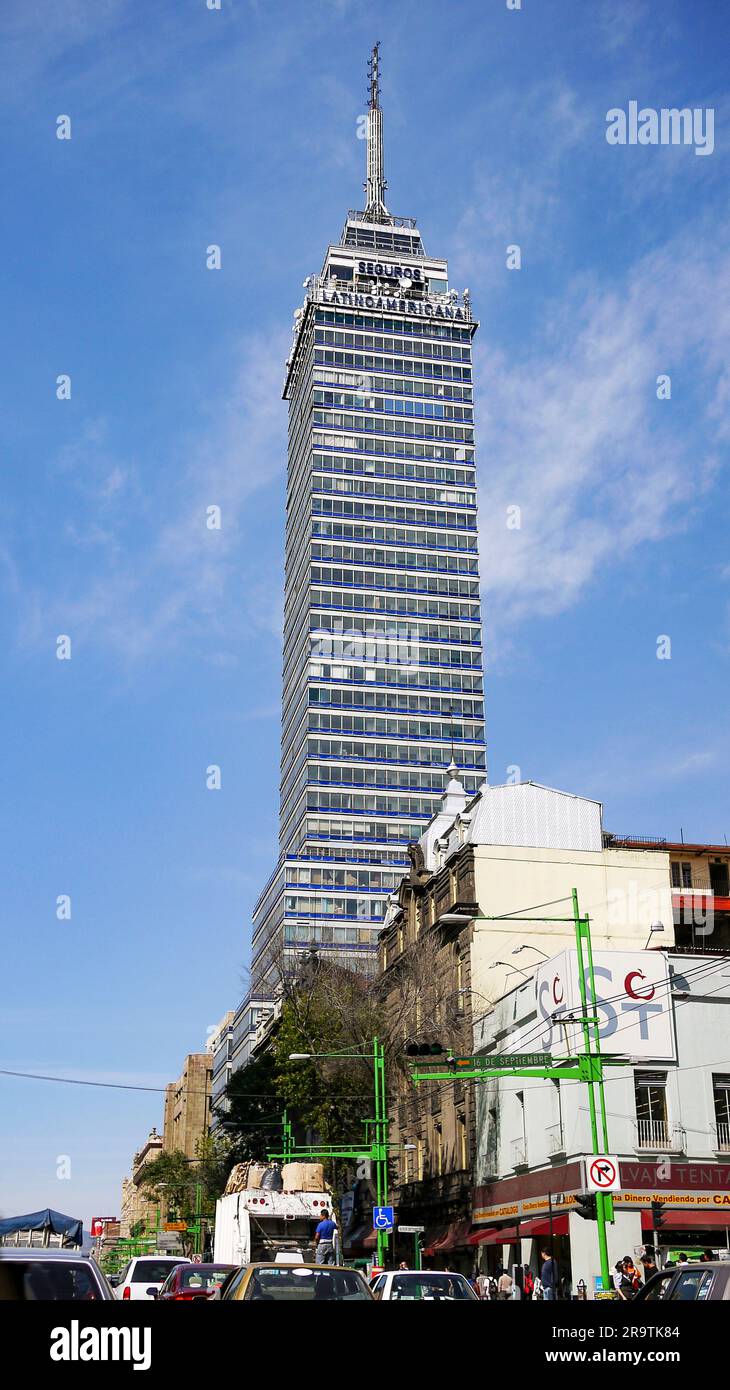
x=252, y=1113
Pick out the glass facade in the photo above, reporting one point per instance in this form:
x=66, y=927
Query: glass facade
x=382, y=668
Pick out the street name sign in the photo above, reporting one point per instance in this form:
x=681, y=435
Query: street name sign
x=498, y=1061
x=411, y=1230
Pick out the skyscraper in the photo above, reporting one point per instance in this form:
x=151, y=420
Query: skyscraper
x=382, y=677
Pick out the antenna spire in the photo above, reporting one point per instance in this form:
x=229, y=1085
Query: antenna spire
x=375, y=209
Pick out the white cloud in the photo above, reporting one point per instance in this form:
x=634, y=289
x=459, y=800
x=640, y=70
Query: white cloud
x=189, y=581
x=574, y=435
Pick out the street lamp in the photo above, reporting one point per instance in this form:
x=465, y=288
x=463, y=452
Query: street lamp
x=512, y=969
x=536, y=949
x=379, y=1147
x=655, y=927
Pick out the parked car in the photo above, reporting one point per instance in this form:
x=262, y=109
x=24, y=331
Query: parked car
x=706, y=1282
x=189, y=1281
x=297, y=1283
x=144, y=1276
x=40, y=1275
x=422, y=1284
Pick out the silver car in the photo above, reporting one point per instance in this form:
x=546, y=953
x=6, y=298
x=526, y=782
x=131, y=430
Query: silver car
x=51, y=1275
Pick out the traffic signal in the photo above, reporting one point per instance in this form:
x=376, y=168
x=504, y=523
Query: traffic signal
x=586, y=1206
x=657, y=1215
x=425, y=1049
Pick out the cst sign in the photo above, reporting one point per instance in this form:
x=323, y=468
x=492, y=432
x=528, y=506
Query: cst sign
x=632, y=1003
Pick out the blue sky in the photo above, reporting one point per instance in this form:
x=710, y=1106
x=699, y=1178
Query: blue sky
x=238, y=127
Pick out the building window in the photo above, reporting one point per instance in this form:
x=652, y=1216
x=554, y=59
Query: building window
x=463, y=1155
x=676, y=874
x=650, y=1089
x=686, y=875
x=721, y=1097
x=419, y=1158
x=438, y=1133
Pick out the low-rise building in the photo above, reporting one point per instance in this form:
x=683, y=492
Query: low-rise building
x=136, y=1209
x=451, y=948
x=668, y=1117
x=220, y=1048
x=187, y=1105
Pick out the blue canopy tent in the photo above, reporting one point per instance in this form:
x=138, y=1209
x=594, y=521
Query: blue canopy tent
x=52, y=1222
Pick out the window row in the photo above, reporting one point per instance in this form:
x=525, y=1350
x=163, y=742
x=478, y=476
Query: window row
x=397, y=779
x=395, y=468
x=369, y=579
x=361, y=830
x=328, y=337
x=338, y=420
x=394, y=603
x=385, y=405
x=342, y=878
x=425, y=678
x=397, y=728
x=394, y=535
x=399, y=630
x=414, y=754
x=366, y=909
x=402, y=653
x=393, y=385
x=417, y=328
x=404, y=560
x=321, y=800
x=408, y=492
x=367, y=361
x=457, y=453
x=395, y=704
x=392, y=511
x=310, y=933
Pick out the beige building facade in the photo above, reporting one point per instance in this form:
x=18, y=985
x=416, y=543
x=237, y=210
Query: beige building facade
x=188, y=1105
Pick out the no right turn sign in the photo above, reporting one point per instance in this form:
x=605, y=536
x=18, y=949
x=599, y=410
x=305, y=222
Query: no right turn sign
x=602, y=1174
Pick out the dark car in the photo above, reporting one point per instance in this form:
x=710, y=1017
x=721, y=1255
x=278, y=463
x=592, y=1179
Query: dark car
x=193, y=1281
x=51, y=1275
x=699, y=1282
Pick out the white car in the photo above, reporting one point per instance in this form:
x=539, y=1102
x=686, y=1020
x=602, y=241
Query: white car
x=413, y=1285
x=144, y=1276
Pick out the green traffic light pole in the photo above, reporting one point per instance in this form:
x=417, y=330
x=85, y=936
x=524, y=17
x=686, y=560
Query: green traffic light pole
x=587, y=1066
x=376, y=1150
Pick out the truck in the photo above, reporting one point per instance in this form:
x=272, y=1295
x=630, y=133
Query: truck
x=256, y=1224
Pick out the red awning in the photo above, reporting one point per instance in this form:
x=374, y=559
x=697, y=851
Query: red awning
x=370, y=1241
x=492, y=1236
x=433, y=1237
x=541, y=1226
x=538, y=1226
x=693, y=1220
x=456, y=1236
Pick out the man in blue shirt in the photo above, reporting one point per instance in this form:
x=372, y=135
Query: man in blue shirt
x=549, y=1276
x=324, y=1240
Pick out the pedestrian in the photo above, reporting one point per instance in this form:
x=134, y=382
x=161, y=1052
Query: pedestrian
x=483, y=1282
x=549, y=1276
x=505, y=1285
x=402, y=1265
x=706, y=1256
x=632, y=1273
x=649, y=1264
x=324, y=1240
x=621, y=1282
x=528, y=1283
x=683, y=1259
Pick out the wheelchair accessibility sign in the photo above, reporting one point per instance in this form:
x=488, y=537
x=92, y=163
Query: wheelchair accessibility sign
x=383, y=1218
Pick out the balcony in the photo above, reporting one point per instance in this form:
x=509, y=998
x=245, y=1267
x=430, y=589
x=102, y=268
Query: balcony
x=555, y=1142
x=658, y=1136
x=519, y=1155
x=721, y=1137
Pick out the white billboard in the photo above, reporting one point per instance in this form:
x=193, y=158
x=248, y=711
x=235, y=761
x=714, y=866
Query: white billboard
x=632, y=1002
